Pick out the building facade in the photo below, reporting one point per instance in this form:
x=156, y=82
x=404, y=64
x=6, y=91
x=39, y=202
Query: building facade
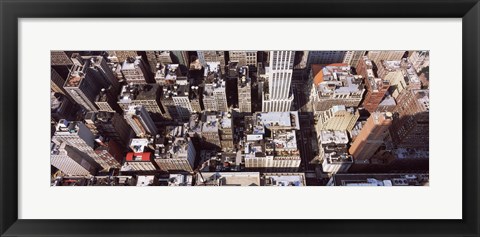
x=371, y=137
x=60, y=58
x=135, y=71
x=244, y=91
x=335, y=84
x=278, y=97
x=77, y=135
x=71, y=161
x=140, y=121
x=376, y=87
x=179, y=155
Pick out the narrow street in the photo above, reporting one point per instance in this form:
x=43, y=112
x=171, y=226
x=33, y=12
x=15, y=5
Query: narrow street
x=306, y=133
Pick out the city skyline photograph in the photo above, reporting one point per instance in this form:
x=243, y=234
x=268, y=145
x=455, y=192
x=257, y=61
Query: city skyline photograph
x=239, y=118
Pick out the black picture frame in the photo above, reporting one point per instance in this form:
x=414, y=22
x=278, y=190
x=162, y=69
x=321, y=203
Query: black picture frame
x=12, y=10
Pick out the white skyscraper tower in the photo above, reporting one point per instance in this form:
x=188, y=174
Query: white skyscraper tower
x=279, y=72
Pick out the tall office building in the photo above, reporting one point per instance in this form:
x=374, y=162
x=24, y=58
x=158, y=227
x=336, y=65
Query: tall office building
x=83, y=86
x=135, y=71
x=393, y=71
x=99, y=65
x=109, y=125
x=181, y=100
x=279, y=98
x=244, y=91
x=147, y=95
x=371, y=137
x=411, y=127
x=60, y=58
x=164, y=57
x=152, y=60
x=214, y=93
x=271, y=142
x=106, y=100
x=212, y=56
x=326, y=57
x=56, y=82
x=181, y=57
x=121, y=56
x=61, y=107
x=353, y=57
x=140, y=121
x=71, y=161
x=110, y=151
x=177, y=154
x=387, y=55
x=195, y=95
x=419, y=60
x=85, y=80
x=333, y=151
x=376, y=87
x=301, y=59
x=335, y=84
x=244, y=58
x=337, y=118
x=77, y=135
x=210, y=131
x=238, y=56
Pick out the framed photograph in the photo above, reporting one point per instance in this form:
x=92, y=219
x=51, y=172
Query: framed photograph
x=218, y=118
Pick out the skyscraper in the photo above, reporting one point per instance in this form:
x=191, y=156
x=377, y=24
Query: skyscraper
x=371, y=137
x=243, y=58
x=278, y=98
x=77, y=135
x=110, y=125
x=178, y=154
x=83, y=87
x=411, y=127
x=135, y=71
x=99, y=66
x=244, y=91
x=214, y=94
x=212, y=56
x=56, y=82
x=353, y=57
x=71, y=161
x=60, y=58
x=335, y=84
x=147, y=95
x=376, y=87
x=419, y=59
x=122, y=55
x=326, y=57
x=387, y=55
x=140, y=121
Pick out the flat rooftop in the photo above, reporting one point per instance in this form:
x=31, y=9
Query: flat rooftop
x=330, y=136
x=67, y=127
x=143, y=180
x=288, y=120
x=381, y=179
x=283, y=179
x=210, y=124
x=138, y=144
x=75, y=77
x=195, y=124
x=229, y=179
x=286, y=140
x=130, y=63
